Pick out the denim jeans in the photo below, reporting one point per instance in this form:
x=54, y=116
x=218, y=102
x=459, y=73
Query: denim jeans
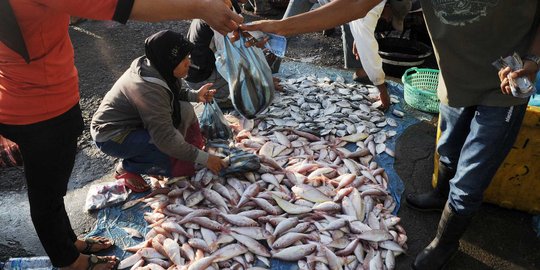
x=139, y=154
x=475, y=141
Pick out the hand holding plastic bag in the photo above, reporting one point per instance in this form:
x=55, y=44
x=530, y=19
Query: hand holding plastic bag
x=249, y=76
x=213, y=124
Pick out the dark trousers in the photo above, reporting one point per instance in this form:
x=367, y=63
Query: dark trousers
x=48, y=149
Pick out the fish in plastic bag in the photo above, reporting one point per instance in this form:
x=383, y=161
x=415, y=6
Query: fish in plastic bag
x=213, y=124
x=250, y=78
x=239, y=161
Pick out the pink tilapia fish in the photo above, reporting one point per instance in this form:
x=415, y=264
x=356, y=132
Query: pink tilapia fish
x=310, y=193
x=251, y=191
x=228, y=252
x=251, y=244
x=375, y=235
x=214, y=197
x=295, y=253
x=256, y=233
x=288, y=239
x=173, y=251
x=129, y=261
x=285, y=225
x=150, y=253
x=201, y=264
x=172, y=226
x=196, y=213
x=291, y=208
x=179, y=209
x=239, y=220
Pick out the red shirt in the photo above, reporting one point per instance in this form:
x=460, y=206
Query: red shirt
x=48, y=85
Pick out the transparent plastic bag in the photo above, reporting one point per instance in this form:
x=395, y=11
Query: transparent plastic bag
x=250, y=78
x=521, y=87
x=239, y=161
x=105, y=195
x=213, y=124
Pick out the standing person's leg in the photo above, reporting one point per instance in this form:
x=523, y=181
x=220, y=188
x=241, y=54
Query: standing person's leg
x=348, y=40
x=493, y=131
x=368, y=49
x=492, y=134
x=48, y=149
x=455, y=124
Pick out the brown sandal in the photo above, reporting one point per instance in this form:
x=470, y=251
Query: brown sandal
x=96, y=240
x=94, y=260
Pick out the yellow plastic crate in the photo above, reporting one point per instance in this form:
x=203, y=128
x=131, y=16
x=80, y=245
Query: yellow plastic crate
x=516, y=185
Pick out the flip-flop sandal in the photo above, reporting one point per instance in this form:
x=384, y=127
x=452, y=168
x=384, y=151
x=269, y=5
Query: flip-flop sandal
x=96, y=240
x=133, y=177
x=94, y=260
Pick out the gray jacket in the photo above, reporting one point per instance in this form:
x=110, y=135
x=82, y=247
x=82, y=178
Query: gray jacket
x=140, y=100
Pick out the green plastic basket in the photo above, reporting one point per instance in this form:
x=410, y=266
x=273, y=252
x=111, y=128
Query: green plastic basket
x=420, y=89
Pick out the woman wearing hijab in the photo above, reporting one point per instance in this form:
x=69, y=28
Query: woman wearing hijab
x=146, y=118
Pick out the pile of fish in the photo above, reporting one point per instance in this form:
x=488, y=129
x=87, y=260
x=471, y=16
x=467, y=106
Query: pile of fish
x=312, y=201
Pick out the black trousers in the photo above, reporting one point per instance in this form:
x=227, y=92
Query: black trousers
x=48, y=149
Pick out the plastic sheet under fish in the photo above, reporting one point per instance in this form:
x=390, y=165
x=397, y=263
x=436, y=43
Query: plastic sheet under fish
x=250, y=78
x=213, y=124
x=239, y=161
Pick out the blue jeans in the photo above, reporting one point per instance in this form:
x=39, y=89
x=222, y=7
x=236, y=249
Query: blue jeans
x=475, y=141
x=139, y=154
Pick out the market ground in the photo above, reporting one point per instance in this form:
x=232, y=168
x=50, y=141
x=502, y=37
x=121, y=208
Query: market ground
x=497, y=239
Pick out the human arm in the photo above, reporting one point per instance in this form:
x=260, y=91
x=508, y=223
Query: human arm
x=330, y=15
x=530, y=68
x=216, y=13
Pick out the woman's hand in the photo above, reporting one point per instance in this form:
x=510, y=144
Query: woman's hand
x=206, y=94
x=216, y=164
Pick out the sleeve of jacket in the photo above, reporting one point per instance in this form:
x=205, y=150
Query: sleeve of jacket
x=118, y=10
x=153, y=104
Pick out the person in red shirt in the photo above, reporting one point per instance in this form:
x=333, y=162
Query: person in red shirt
x=39, y=101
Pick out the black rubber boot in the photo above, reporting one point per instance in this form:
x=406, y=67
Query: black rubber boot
x=446, y=243
x=433, y=200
